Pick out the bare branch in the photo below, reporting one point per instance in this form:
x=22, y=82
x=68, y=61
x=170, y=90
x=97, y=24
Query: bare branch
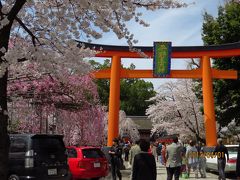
x=195, y=63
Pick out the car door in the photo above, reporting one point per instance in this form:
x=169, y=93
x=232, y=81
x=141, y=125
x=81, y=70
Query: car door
x=72, y=160
x=18, y=148
x=211, y=160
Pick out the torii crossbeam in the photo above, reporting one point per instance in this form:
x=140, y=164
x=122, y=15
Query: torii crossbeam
x=205, y=72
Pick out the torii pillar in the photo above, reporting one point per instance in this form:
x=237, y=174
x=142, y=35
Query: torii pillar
x=114, y=100
x=208, y=102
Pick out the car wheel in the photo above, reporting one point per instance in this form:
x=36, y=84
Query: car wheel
x=207, y=170
x=13, y=177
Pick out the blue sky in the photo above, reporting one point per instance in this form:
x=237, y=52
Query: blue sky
x=180, y=26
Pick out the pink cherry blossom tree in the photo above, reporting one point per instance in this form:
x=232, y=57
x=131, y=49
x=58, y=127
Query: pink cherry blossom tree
x=68, y=106
x=176, y=109
x=49, y=29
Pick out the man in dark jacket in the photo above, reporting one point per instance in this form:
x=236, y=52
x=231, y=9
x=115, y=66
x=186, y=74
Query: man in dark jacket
x=144, y=164
x=221, y=151
x=238, y=163
x=115, y=153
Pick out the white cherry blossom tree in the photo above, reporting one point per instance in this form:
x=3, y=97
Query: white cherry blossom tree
x=177, y=109
x=231, y=130
x=127, y=127
x=44, y=31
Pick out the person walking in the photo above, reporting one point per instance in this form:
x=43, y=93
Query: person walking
x=121, y=146
x=163, y=154
x=174, y=159
x=183, y=172
x=202, y=161
x=159, y=152
x=192, y=158
x=153, y=148
x=144, y=164
x=238, y=163
x=221, y=152
x=126, y=150
x=115, y=153
x=135, y=149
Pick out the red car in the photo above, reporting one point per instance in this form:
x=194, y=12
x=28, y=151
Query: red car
x=87, y=162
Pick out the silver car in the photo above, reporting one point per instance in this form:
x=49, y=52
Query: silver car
x=230, y=164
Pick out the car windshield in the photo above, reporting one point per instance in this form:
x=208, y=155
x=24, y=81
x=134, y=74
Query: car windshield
x=92, y=153
x=18, y=144
x=232, y=150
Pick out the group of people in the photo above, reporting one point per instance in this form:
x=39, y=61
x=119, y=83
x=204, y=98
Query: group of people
x=177, y=159
x=141, y=160
x=193, y=157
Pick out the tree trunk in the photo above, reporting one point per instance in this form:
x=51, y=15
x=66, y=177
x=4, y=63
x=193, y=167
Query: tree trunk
x=4, y=40
x=4, y=138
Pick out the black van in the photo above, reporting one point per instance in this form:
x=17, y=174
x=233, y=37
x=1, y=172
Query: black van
x=38, y=157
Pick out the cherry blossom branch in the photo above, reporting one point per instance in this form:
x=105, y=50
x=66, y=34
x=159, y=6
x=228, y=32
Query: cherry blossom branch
x=34, y=38
x=1, y=14
x=156, y=4
x=118, y=19
x=144, y=5
x=193, y=108
x=195, y=117
x=73, y=8
x=58, y=5
x=190, y=128
x=15, y=9
x=22, y=59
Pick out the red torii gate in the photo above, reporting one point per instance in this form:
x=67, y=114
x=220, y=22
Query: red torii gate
x=205, y=72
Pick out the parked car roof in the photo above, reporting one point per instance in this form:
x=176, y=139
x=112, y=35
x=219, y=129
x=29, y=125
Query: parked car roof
x=83, y=147
x=232, y=145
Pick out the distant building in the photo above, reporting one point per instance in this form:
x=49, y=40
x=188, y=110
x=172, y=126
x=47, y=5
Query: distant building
x=144, y=125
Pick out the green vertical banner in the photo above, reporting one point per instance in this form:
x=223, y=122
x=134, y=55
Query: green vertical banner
x=162, y=59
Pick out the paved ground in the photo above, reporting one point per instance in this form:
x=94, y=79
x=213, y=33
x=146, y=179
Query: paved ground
x=162, y=175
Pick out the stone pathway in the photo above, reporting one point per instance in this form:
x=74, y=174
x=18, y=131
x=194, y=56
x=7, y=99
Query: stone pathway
x=162, y=175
